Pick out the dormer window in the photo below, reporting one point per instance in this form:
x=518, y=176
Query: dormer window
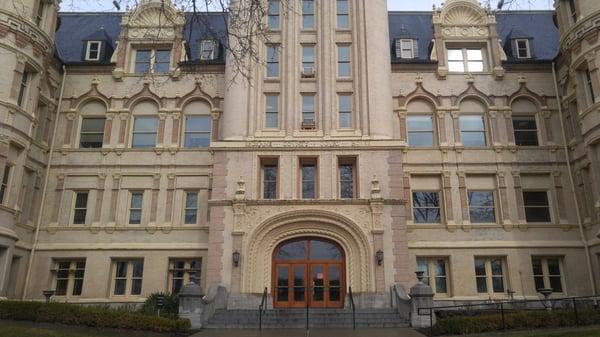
x=208, y=50
x=92, y=52
x=523, y=48
x=152, y=61
x=406, y=48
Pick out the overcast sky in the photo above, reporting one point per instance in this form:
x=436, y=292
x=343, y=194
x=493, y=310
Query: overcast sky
x=415, y=5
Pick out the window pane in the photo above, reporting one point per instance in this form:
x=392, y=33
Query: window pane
x=426, y=199
x=121, y=269
x=481, y=285
x=556, y=284
x=480, y=267
x=455, y=55
x=420, y=139
x=79, y=216
x=537, y=266
x=136, y=200
x=143, y=55
x=474, y=55
x=136, y=287
x=92, y=125
x=198, y=123
x=191, y=200
x=537, y=214
x=440, y=285
x=322, y=250
x=456, y=66
x=498, y=284
x=191, y=217
x=197, y=140
x=144, y=140
x=471, y=123
x=496, y=267
x=539, y=283
x=61, y=287
x=163, y=56
x=481, y=198
x=426, y=215
x=81, y=200
x=473, y=139
x=91, y=141
x=535, y=198
x=553, y=267
x=475, y=66
x=145, y=124
x=296, y=250
x=420, y=123
x=77, y=287
x=138, y=268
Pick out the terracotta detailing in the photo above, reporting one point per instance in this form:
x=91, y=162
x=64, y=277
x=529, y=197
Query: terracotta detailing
x=398, y=214
x=108, y=129
x=116, y=186
x=462, y=187
x=161, y=129
x=99, y=196
x=170, y=194
x=176, y=118
x=216, y=235
x=154, y=200
x=407, y=196
x=21, y=39
x=442, y=126
x=379, y=270
x=493, y=126
x=123, y=129
x=214, y=128
x=4, y=29
x=503, y=197
x=456, y=126
x=510, y=132
x=447, y=185
x=519, y=197
x=58, y=191
x=403, y=132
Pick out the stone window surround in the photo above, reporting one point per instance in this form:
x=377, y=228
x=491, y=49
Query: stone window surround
x=134, y=47
x=270, y=161
x=314, y=160
x=187, y=270
x=544, y=261
x=354, y=162
x=71, y=277
x=431, y=260
x=464, y=46
x=74, y=207
x=488, y=276
x=128, y=278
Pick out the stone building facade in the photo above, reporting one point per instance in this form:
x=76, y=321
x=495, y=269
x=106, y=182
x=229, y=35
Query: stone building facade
x=366, y=145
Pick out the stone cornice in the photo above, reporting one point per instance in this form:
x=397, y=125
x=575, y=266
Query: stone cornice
x=301, y=202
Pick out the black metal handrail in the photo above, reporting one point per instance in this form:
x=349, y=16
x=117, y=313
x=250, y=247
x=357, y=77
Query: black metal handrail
x=353, y=307
x=262, y=308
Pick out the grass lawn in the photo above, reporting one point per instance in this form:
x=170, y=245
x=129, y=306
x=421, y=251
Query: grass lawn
x=593, y=331
x=30, y=329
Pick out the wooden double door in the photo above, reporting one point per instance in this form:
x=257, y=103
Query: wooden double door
x=309, y=272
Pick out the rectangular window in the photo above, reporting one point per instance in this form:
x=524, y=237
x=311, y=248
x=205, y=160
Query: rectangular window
x=143, y=61
x=309, y=175
x=420, y=131
x=152, y=61
x=573, y=10
x=184, y=271
x=39, y=17
x=128, y=277
x=525, y=128
x=308, y=111
x=589, y=86
x=273, y=13
x=308, y=61
x=135, y=208
x=481, y=207
x=465, y=60
x=537, y=208
x=472, y=131
x=191, y=208
x=272, y=61
x=489, y=274
x=197, y=132
x=435, y=273
x=272, y=111
x=308, y=14
x=343, y=14
x=270, y=172
x=547, y=273
x=344, y=69
x=23, y=89
x=93, y=51
x=80, y=209
x=406, y=49
x=92, y=133
x=426, y=207
x=345, y=111
x=347, y=177
x=4, y=187
x=208, y=50
x=68, y=277
x=162, y=63
x=144, y=132
x=523, y=50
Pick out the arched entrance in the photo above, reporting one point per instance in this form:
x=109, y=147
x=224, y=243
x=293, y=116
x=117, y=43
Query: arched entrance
x=309, y=272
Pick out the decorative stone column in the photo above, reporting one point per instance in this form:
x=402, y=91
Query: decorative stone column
x=449, y=211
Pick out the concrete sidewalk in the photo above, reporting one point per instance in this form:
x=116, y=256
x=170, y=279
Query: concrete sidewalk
x=396, y=332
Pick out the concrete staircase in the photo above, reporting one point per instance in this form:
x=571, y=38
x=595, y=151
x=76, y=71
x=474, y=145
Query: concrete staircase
x=296, y=318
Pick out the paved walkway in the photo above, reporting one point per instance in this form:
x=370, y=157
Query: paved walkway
x=397, y=332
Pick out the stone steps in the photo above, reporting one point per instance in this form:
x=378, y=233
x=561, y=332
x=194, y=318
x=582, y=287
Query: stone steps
x=296, y=318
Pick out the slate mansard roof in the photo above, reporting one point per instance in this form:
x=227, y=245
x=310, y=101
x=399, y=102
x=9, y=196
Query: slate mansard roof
x=536, y=26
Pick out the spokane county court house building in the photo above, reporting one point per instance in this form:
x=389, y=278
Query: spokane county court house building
x=367, y=145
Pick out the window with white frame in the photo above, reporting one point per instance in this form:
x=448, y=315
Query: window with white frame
x=343, y=14
x=152, y=61
x=435, y=273
x=127, y=277
x=465, y=60
x=68, y=277
x=208, y=50
x=345, y=115
x=80, y=207
x=191, y=208
x=135, y=207
x=308, y=14
x=92, y=52
x=273, y=13
x=5, y=185
x=405, y=48
x=472, y=130
x=272, y=61
x=183, y=272
x=92, y=133
x=144, y=132
x=272, y=111
x=197, y=131
x=482, y=208
x=490, y=274
x=547, y=273
x=523, y=48
x=344, y=67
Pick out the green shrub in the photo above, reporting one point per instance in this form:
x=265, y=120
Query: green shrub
x=450, y=324
x=99, y=317
x=170, y=308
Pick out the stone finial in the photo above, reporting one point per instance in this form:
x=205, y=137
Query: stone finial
x=375, y=188
x=240, y=193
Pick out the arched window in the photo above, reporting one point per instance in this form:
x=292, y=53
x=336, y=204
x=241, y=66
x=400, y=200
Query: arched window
x=420, y=124
x=197, y=129
x=472, y=124
x=93, y=119
x=145, y=125
x=525, y=123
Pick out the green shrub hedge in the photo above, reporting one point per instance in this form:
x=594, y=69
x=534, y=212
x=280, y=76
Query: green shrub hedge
x=462, y=325
x=170, y=308
x=100, y=317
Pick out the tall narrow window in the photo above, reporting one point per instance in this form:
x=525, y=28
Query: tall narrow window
x=589, y=86
x=23, y=89
x=39, y=17
x=547, y=273
x=80, y=209
x=93, y=51
x=144, y=132
x=4, y=187
x=308, y=14
x=208, y=50
x=525, y=128
x=435, y=273
x=481, y=207
x=273, y=14
x=308, y=171
x=420, y=131
x=537, y=208
x=523, y=49
x=343, y=14
x=344, y=69
x=270, y=171
x=405, y=48
x=272, y=111
x=347, y=177
x=472, y=131
x=308, y=111
x=162, y=64
x=308, y=61
x=573, y=10
x=489, y=274
x=426, y=207
x=197, y=131
x=345, y=111
x=191, y=208
x=184, y=271
x=135, y=208
x=68, y=277
x=128, y=277
x=92, y=133
x=272, y=61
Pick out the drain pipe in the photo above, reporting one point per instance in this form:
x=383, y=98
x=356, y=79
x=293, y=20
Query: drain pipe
x=572, y=184
x=44, y=188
